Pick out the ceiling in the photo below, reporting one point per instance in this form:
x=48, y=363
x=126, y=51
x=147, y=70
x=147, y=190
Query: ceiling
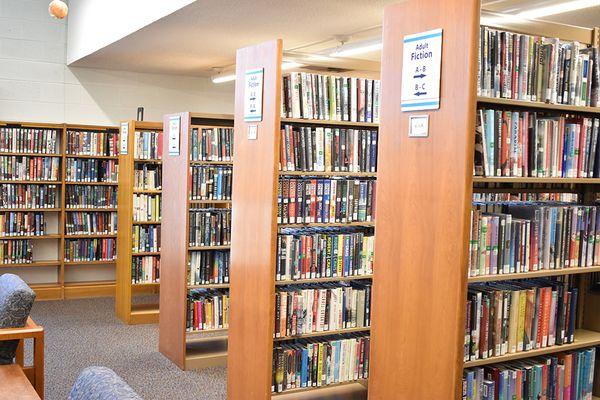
x=206, y=33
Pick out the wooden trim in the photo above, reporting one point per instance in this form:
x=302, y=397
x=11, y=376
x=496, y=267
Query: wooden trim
x=345, y=390
x=562, y=108
x=514, y=180
x=254, y=229
x=81, y=290
x=583, y=338
x=424, y=194
x=323, y=280
x=534, y=274
x=326, y=122
x=332, y=174
x=48, y=291
x=174, y=225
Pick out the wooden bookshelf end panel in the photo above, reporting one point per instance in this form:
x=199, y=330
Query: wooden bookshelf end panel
x=424, y=191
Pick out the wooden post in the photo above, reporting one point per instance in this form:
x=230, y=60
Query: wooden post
x=254, y=230
x=424, y=189
x=173, y=251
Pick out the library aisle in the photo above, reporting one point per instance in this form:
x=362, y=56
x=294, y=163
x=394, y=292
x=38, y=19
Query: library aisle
x=73, y=327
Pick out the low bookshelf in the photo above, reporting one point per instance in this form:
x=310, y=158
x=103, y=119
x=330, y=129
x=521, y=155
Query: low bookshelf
x=138, y=237
x=194, y=293
x=292, y=184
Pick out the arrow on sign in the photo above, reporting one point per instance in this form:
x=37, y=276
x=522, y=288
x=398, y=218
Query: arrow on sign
x=420, y=93
x=420, y=76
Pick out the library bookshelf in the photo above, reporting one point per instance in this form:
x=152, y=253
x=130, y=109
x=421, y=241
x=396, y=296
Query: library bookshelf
x=136, y=159
x=422, y=251
x=255, y=229
x=188, y=349
x=51, y=274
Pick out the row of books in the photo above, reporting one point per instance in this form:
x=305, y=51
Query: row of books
x=29, y=140
x=529, y=196
x=22, y=224
x=504, y=318
x=91, y=170
x=211, y=182
x=325, y=200
x=306, y=148
x=208, y=267
x=90, y=249
x=145, y=269
x=89, y=143
x=211, y=144
x=147, y=177
x=304, y=309
x=147, y=145
x=84, y=196
x=522, y=237
x=28, y=196
x=16, y=251
x=315, y=96
x=318, y=362
x=89, y=223
x=15, y=168
x=210, y=227
x=564, y=376
x=524, y=143
x=146, y=238
x=320, y=253
x=146, y=207
x=207, y=309
x=533, y=68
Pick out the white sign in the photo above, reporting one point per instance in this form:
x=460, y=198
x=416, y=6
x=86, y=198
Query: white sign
x=253, y=95
x=124, y=137
x=174, y=128
x=422, y=59
x=252, y=132
x=418, y=126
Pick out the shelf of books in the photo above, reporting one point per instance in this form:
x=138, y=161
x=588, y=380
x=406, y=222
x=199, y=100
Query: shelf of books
x=302, y=234
x=194, y=295
x=31, y=228
x=490, y=253
x=138, y=233
x=90, y=171
x=46, y=222
x=534, y=248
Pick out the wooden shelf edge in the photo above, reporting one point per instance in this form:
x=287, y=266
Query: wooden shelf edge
x=102, y=262
x=50, y=263
x=209, y=286
x=583, y=338
x=533, y=274
x=362, y=382
x=207, y=248
x=35, y=237
x=329, y=174
x=328, y=122
x=325, y=225
x=565, y=108
x=322, y=280
x=513, y=180
x=324, y=333
x=80, y=290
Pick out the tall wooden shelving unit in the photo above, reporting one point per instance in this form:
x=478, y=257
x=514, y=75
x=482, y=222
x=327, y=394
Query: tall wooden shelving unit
x=188, y=350
x=76, y=287
x=254, y=237
x=62, y=287
x=425, y=194
x=126, y=309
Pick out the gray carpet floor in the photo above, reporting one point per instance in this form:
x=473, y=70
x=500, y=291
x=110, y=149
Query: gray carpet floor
x=81, y=333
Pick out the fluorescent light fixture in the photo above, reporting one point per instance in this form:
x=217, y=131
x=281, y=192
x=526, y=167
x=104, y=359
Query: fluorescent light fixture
x=290, y=65
x=221, y=78
x=228, y=77
x=558, y=9
x=541, y=12
x=347, y=50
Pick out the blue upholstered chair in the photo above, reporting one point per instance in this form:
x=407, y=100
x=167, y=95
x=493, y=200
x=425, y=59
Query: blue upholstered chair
x=101, y=383
x=16, y=300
